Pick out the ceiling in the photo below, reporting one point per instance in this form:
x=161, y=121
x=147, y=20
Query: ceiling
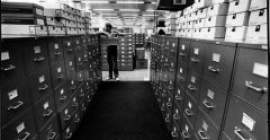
x=124, y=12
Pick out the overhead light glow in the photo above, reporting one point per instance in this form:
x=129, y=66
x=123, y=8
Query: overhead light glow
x=103, y=9
x=129, y=2
x=97, y=2
x=150, y=10
x=129, y=10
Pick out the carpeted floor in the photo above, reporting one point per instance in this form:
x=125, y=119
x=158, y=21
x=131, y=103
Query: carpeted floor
x=123, y=111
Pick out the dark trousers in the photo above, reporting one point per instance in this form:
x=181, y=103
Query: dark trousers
x=112, y=60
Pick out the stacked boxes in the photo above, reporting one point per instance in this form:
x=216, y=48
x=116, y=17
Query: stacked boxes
x=126, y=51
x=170, y=23
x=139, y=39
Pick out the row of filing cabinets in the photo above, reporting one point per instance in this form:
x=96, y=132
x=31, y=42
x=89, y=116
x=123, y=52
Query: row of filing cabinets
x=46, y=85
x=221, y=89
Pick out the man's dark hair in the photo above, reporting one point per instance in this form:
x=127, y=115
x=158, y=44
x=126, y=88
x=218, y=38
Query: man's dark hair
x=108, y=25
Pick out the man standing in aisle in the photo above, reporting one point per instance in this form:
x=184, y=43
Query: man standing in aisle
x=111, y=53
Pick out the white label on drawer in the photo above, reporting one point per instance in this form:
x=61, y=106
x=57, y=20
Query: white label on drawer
x=13, y=94
x=204, y=125
x=183, y=47
x=260, y=69
x=68, y=130
x=72, y=82
x=45, y=105
x=79, y=59
x=66, y=111
x=210, y=94
x=62, y=91
x=37, y=49
x=20, y=127
x=56, y=46
x=193, y=79
x=68, y=43
x=216, y=57
x=186, y=128
x=196, y=51
x=74, y=99
x=59, y=69
x=179, y=91
x=41, y=79
x=70, y=63
x=181, y=70
x=173, y=44
x=248, y=121
x=190, y=105
x=5, y=56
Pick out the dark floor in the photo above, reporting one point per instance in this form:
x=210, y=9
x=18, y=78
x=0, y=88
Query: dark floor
x=123, y=111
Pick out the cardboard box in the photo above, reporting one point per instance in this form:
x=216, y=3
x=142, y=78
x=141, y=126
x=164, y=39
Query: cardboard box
x=219, y=1
x=213, y=32
x=239, y=19
x=9, y=30
x=257, y=4
x=215, y=21
x=202, y=3
x=258, y=17
x=236, y=34
x=56, y=30
x=220, y=9
x=239, y=6
x=257, y=34
x=202, y=13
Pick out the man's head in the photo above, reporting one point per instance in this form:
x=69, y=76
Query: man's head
x=108, y=27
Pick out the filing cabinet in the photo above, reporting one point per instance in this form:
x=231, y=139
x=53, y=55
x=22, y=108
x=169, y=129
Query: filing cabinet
x=56, y=50
x=239, y=6
x=66, y=113
x=212, y=103
x=44, y=110
x=219, y=60
x=187, y=130
x=243, y=121
x=61, y=96
x=22, y=127
x=58, y=74
x=204, y=128
x=51, y=130
x=251, y=75
x=197, y=54
x=193, y=85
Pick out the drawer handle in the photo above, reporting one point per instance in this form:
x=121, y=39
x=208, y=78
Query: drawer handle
x=238, y=133
x=174, y=134
x=69, y=50
x=181, y=78
x=208, y=104
x=75, y=105
x=176, y=116
x=77, y=120
x=57, y=53
x=60, y=77
x=39, y=59
x=212, y=69
x=48, y=114
x=179, y=98
x=68, y=136
x=182, y=54
x=202, y=135
x=185, y=134
x=194, y=60
x=188, y=112
x=8, y=68
x=26, y=136
x=67, y=117
x=16, y=106
x=169, y=105
x=249, y=84
x=64, y=97
x=191, y=87
x=81, y=95
x=51, y=135
x=43, y=88
x=73, y=87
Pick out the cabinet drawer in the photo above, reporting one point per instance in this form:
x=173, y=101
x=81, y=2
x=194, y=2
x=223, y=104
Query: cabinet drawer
x=61, y=96
x=44, y=110
x=66, y=114
x=21, y=128
x=204, y=128
x=182, y=73
x=68, y=46
x=56, y=49
x=14, y=100
x=11, y=62
x=70, y=65
x=193, y=85
x=40, y=85
x=187, y=130
x=243, y=121
x=36, y=56
x=219, y=64
x=212, y=102
x=58, y=74
x=251, y=76
x=72, y=85
x=197, y=53
x=75, y=101
x=190, y=109
x=68, y=132
x=51, y=130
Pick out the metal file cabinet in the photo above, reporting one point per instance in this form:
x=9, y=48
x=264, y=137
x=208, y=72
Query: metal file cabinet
x=190, y=109
x=193, y=85
x=244, y=121
x=56, y=49
x=219, y=60
x=23, y=127
x=197, y=56
x=66, y=113
x=187, y=130
x=251, y=75
x=58, y=73
x=61, y=95
x=44, y=110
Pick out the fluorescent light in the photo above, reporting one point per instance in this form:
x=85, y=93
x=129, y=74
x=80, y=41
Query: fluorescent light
x=150, y=10
x=103, y=9
x=130, y=10
x=97, y=2
x=129, y=2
